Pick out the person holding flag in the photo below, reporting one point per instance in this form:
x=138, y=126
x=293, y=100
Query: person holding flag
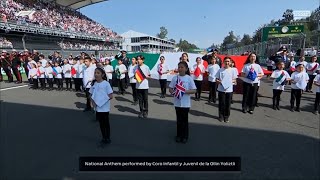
x=49, y=75
x=198, y=70
x=163, y=71
x=312, y=68
x=121, y=70
x=41, y=75
x=281, y=77
x=291, y=65
x=299, y=81
x=66, y=68
x=142, y=73
x=251, y=72
x=316, y=82
x=181, y=86
x=225, y=78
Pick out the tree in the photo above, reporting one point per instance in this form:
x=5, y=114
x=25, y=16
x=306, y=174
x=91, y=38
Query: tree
x=172, y=40
x=246, y=40
x=213, y=46
x=229, y=41
x=163, y=33
x=185, y=46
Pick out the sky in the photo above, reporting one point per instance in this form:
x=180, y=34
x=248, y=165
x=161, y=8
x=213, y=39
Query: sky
x=201, y=22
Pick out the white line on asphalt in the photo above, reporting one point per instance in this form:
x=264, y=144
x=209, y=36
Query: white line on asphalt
x=4, y=89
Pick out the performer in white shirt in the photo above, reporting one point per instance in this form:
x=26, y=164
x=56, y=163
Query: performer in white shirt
x=163, y=71
x=88, y=77
x=212, y=70
x=299, y=81
x=197, y=74
x=312, y=68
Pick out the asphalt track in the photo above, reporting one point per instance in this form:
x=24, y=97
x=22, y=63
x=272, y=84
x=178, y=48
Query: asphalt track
x=44, y=133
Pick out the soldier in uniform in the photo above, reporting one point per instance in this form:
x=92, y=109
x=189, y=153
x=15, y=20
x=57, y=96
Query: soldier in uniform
x=6, y=65
x=126, y=62
x=16, y=63
x=214, y=54
x=24, y=59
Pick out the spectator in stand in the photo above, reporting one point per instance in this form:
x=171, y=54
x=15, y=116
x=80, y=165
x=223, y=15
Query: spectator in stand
x=4, y=43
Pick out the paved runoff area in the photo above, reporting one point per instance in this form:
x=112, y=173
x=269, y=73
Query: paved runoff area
x=43, y=134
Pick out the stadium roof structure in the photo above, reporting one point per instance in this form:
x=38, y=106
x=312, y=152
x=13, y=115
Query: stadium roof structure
x=75, y=4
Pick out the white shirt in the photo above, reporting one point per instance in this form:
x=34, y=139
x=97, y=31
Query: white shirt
x=101, y=90
x=226, y=75
x=131, y=73
x=42, y=70
x=43, y=63
x=202, y=70
x=48, y=72
x=59, y=71
x=188, y=84
x=33, y=72
x=317, y=79
x=237, y=73
x=109, y=70
x=145, y=83
x=212, y=69
x=301, y=78
x=275, y=74
x=80, y=70
x=293, y=64
x=165, y=71
x=88, y=76
x=122, y=69
x=310, y=66
x=67, y=70
x=246, y=69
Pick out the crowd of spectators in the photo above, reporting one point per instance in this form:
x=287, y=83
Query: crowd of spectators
x=4, y=43
x=50, y=14
x=85, y=46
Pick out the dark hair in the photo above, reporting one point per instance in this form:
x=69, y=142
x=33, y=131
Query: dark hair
x=198, y=58
x=41, y=55
x=232, y=61
x=87, y=57
x=279, y=62
x=186, y=55
x=248, y=58
x=186, y=66
x=162, y=57
x=141, y=57
x=104, y=75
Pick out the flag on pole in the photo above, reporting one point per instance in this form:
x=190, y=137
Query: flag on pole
x=139, y=75
x=179, y=90
x=252, y=74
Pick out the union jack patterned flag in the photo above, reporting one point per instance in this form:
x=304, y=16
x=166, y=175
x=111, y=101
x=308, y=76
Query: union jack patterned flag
x=179, y=90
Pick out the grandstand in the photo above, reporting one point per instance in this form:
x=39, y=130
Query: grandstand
x=52, y=25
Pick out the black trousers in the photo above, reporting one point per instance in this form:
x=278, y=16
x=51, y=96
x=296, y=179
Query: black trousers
x=295, y=96
x=59, y=83
x=269, y=68
x=317, y=102
x=50, y=82
x=276, y=97
x=249, y=96
x=163, y=86
x=134, y=92
x=77, y=84
x=143, y=99
x=8, y=73
x=88, y=104
x=1, y=78
x=198, y=85
x=121, y=84
x=103, y=118
x=213, y=91
x=182, y=122
x=110, y=82
x=224, y=104
x=17, y=74
x=42, y=82
x=234, y=87
x=311, y=78
x=26, y=70
x=126, y=80
x=257, y=95
x=35, y=83
x=68, y=83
